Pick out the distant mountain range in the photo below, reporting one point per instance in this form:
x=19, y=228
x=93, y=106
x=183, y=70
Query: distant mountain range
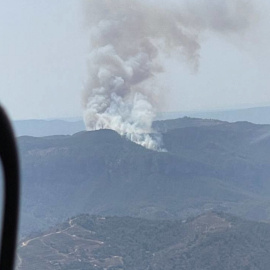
x=209, y=165
x=40, y=128
x=256, y=115
x=211, y=241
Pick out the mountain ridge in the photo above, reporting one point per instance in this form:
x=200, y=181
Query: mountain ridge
x=212, y=165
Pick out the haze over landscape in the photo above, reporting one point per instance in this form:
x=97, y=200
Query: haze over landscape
x=143, y=131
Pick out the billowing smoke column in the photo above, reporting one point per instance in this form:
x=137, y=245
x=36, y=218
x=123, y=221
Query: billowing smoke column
x=127, y=39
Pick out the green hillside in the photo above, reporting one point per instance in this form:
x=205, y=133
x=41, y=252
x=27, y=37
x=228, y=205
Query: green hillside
x=209, y=165
x=211, y=241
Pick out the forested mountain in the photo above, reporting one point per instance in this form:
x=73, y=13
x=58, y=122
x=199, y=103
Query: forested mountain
x=208, y=165
x=210, y=241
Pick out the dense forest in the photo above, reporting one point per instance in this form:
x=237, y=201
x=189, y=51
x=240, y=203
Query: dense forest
x=213, y=241
x=208, y=165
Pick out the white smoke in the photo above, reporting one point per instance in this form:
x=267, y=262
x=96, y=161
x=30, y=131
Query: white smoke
x=127, y=38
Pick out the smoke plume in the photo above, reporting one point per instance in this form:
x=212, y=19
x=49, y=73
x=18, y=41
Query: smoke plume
x=127, y=38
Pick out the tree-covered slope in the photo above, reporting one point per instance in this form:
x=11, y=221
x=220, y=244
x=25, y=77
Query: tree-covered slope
x=211, y=241
x=208, y=165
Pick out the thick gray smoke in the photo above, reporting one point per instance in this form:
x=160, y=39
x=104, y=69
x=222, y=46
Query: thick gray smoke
x=127, y=39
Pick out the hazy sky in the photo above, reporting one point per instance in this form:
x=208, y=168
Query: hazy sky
x=44, y=46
